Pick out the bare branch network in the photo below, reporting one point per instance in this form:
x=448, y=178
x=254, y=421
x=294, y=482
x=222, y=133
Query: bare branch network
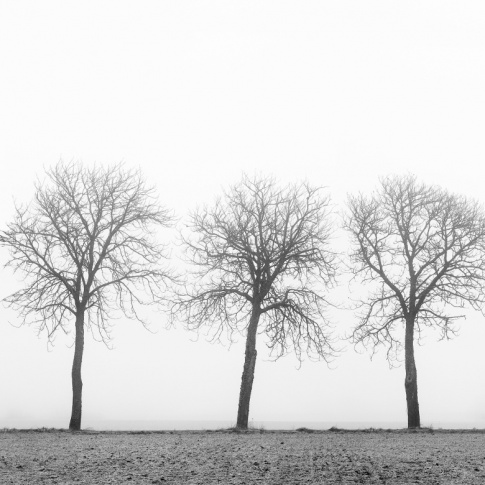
x=424, y=250
x=266, y=249
x=86, y=242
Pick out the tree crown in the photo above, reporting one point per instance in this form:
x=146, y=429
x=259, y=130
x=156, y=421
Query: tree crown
x=262, y=248
x=86, y=243
x=423, y=249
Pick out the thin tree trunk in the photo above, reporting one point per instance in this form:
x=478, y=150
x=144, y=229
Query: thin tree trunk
x=248, y=372
x=411, y=380
x=77, y=383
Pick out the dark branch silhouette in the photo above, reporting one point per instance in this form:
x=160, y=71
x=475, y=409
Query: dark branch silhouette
x=85, y=246
x=260, y=253
x=422, y=249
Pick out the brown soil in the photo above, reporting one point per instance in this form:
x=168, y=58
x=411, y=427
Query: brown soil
x=397, y=457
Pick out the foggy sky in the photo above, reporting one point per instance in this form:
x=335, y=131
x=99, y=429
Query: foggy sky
x=195, y=93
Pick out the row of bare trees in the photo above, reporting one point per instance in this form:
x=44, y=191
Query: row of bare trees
x=260, y=262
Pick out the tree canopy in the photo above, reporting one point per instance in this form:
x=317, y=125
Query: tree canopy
x=87, y=241
x=268, y=246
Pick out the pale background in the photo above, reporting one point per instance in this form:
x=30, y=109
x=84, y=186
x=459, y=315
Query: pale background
x=195, y=93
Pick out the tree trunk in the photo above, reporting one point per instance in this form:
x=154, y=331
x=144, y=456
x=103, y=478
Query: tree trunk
x=411, y=381
x=248, y=372
x=77, y=383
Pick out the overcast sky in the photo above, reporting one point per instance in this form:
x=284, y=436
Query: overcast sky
x=196, y=92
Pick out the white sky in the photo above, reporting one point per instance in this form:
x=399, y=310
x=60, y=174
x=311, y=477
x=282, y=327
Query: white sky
x=194, y=93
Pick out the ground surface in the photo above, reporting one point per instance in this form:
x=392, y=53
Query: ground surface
x=226, y=457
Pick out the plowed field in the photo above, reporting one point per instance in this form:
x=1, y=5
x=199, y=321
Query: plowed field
x=269, y=457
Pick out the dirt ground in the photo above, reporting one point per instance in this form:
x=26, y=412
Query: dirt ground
x=255, y=457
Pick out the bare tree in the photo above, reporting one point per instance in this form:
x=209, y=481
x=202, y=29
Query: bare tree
x=259, y=253
x=85, y=246
x=423, y=250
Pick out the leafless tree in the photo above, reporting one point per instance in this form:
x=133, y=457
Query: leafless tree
x=85, y=245
x=422, y=250
x=259, y=254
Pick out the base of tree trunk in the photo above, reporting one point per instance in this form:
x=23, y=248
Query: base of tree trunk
x=414, y=419
x=246, y=388
x=75, y=425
